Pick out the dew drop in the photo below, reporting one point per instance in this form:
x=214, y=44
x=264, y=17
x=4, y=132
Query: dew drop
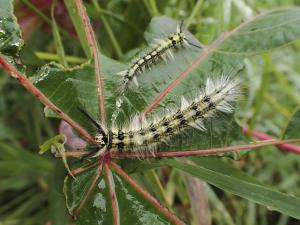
x=100, y=202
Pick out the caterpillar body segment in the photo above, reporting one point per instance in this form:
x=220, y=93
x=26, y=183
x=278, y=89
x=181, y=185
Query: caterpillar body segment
x=146, y=135
x=162, y=49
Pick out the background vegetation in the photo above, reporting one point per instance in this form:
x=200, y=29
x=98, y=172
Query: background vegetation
x=30, y=185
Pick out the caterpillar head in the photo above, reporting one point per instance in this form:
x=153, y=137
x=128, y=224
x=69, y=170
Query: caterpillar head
x=181, y=37
x=101, y=139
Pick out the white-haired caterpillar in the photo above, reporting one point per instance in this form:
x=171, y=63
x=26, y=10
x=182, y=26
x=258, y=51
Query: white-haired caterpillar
x=141, y=136
x=160, y=50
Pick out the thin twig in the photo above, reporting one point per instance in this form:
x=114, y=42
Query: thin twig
x=146, y=195
x=42, y=98
x=74, y=153
x=113, y=197
x=83, y=168
x=263, y=136
x=201, y=152
x=92, y=186
x=96, y=53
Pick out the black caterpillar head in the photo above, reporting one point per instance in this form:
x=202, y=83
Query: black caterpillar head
x=100, y=138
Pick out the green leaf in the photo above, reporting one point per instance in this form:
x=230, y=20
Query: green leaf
x=58, y=212
x=293, y=129
x=254, y=36
x=55, y=141
x=265, y=32
x=10, y=35
x=79, y=26
x=57, y=39
x=133, y=208
x=17, y=161
x=221, y=130
x=75, y=88
x=6, y=132
x=233, y=181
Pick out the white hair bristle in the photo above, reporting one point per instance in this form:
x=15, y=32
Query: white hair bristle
x=144, y=135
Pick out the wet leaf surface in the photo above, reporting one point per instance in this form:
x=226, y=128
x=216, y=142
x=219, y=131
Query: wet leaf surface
x=133, y=208
x=10, y=35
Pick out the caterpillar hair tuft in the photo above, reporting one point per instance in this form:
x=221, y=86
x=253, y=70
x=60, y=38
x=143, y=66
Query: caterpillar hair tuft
x=217, y=95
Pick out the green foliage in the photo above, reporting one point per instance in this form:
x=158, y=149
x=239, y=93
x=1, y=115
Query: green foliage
x=228, y=179
x=10, y=35
x=97, y=209
x=293, y=129
x=71, y=88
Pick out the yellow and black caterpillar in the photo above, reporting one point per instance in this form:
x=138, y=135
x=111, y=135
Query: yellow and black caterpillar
x=162, y=49
x=143, y=136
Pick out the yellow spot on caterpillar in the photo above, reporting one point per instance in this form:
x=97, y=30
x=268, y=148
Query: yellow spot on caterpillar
x=162, y=50
x=167, y=43
x=141, y=136
x=135, y=67
x=176, y=38
x=141, y=61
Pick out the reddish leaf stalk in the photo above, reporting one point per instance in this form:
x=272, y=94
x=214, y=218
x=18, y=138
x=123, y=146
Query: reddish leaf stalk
x=201, y=152
x=263, y=136
x=83, y=168
x=96, y=53
x=97, y=175
x=42, y=98
x=146, y=195
x=113, y=197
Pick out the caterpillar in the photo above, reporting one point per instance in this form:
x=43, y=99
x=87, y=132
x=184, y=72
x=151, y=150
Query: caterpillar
x=160, y=51
x=142, y=136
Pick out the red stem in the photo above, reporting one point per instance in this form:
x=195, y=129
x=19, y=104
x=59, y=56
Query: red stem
x=97, y=175
x=42, y=98
x=263, y=136
x=113, y=197
x=145, y=194
x=96, y=53
x=83, y=168
x=199, y=152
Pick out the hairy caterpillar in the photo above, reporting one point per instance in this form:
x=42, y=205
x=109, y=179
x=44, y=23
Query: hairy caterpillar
x=160, y=51
x=141, y=136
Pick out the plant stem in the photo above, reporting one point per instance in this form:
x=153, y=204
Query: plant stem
x=55, y=57
x=202, y=151
x=108, y=29
x=194, y=65
x=42, y=15
x=113, y=197
x=37, y=11
x=154, y=8
x=287, y=87
x=261, y=91
x=96, y=177
x=277, y=106
x=262, y=136
x=96, y=53
x=193, y=14
x=146, y=195
x=42, y=98
x=57, y=39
